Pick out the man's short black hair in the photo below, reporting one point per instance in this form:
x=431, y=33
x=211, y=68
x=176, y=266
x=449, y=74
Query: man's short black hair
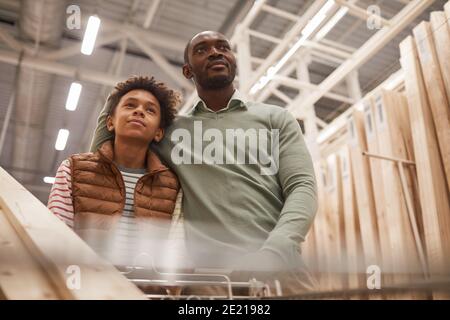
x=168, y=99
x=186, y=48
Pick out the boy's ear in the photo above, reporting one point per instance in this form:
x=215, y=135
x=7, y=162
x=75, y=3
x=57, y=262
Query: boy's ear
x=187, y=71
x=159, y=134
x=109, y=123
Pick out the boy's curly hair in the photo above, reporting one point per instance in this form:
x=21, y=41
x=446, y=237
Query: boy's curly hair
x=168, y=99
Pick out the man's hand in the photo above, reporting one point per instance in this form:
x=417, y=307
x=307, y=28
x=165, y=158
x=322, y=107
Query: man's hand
x=174, y=291
x=256, y=264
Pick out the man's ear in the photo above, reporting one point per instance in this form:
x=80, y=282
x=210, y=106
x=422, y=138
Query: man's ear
x=187, y=71
x=159, y=134
x=109, y=123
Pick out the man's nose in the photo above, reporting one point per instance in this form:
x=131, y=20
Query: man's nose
x=213, y=52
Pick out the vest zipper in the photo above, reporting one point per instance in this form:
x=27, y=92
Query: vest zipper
x=139, y=180
x=113, y=165
x=123, y=187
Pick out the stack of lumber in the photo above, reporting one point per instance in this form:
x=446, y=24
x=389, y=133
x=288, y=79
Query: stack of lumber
x=424, y=59
x=384, y=177
x=42, y=258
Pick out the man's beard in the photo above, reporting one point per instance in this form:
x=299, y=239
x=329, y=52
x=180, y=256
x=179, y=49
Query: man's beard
x=216, y=82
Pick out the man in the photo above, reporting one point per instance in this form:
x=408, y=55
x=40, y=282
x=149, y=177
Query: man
x=245, y=209
x=121, y=199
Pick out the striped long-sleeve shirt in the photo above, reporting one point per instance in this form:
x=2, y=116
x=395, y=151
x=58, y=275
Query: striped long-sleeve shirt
x=60, y=199
x=126, y=244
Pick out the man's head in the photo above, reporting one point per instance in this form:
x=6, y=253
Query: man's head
x=141, y=108
x=209, y=61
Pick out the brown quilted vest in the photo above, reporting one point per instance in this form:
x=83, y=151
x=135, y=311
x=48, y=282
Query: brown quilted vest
x=98, y=190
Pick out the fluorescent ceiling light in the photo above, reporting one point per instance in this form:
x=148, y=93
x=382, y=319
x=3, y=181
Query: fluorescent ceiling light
x=90, y=35
x=61, y=140
x=331, y=23
x=73, y=96
x=310, y=27
x=317, y=19
x=50, y=180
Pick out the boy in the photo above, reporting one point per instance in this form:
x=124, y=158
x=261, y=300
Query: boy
x=121, y=199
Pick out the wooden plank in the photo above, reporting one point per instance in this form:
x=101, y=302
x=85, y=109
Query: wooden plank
x=321, y=231
x=353, y=248
x=314, y=242
x=363, y=185
x=433, y=191
x=435, y=90
x=334, y=218
x=403, y=120
x=56, y=247
x=377, y=182
x=441, y=34
x=447, y=12
x=405, y=260
x=21, y=277
x=309, y=250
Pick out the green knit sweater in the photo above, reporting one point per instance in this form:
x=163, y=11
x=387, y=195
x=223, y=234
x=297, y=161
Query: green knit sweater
x=245, y=204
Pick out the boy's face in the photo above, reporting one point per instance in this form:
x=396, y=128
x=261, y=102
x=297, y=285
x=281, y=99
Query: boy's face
x=137, y=116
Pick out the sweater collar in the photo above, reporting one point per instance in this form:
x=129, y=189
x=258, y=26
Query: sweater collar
x=237, y=99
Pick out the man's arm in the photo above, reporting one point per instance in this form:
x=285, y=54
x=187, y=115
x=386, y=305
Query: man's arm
x=297, y=179
x=281, y=249
x=60, y=199
x=101, y=133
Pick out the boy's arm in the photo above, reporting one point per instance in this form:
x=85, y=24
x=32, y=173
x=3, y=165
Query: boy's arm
x=101, y=133
x=60, y=199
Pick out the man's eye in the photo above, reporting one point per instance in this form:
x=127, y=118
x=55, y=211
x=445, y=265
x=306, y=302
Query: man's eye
x=150, y=110
x=224, y=47
x=200, y=50
x=129, y=105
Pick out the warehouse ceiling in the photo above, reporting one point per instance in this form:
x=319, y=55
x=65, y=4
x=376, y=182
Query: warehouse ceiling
x=155, y=28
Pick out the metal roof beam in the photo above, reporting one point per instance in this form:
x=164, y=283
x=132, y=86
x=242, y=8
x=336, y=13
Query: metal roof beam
x=299, y=84
x=7, y=38
x=161, y=62
x=359, y=12
x=289, y=37
x=75, y=49
x=151, y=13
x=157, y=38
x=84, y=74
x=366, y=51
x=280, y=13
